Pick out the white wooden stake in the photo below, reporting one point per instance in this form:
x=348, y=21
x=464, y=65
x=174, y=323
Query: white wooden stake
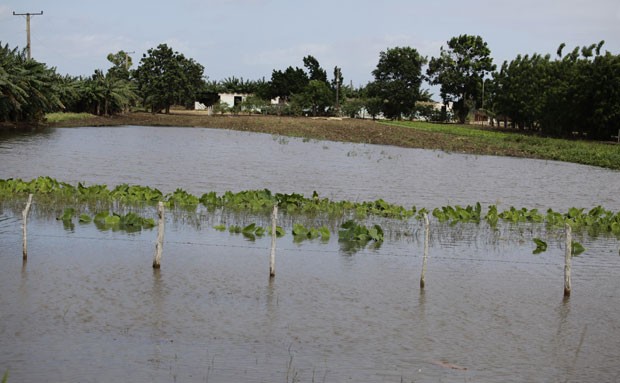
x=568, y=254
x=427, y=236
x=159, y=246
x=272, y=257
x=24, y=226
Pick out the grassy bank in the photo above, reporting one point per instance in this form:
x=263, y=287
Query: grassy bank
x=507, y=142
x=447, y=137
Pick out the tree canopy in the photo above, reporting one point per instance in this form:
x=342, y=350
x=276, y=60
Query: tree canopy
x=398, y=77
x=166, y=77
x=315, y=72
x=571, y=93
x=577, y=93
x=460, y=70
x=285, y=84
x=28, y=89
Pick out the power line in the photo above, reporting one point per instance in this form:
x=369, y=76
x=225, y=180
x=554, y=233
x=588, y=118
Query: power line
x=28, y=15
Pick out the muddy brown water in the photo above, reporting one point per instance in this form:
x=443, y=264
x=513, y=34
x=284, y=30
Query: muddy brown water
x=88, y=307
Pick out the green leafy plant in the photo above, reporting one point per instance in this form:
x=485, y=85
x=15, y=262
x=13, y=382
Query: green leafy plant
x=279, y=231
x=67, y=215
x=85, y=218
x=596, y=221
x=541, y=246
x=457, y=213
x=252, y=231
x=131, y=222
x=353, y=232
x=300, y=233
x=577, y=248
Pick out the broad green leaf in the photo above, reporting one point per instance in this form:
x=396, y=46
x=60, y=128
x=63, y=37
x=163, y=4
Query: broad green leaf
x=577, y=248
x=541, y=246
x=85, y=218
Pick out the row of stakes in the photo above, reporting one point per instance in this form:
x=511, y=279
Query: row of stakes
x=159, y=245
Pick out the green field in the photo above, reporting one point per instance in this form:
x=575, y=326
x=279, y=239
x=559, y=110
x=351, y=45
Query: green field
x=489, y=141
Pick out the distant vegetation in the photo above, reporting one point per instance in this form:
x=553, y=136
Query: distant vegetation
x=575, y=94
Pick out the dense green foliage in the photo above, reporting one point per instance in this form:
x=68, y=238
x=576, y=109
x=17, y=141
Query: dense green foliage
x=574, y=94
x=306, y=92
x=165, y=78
x=28, y=89
x=104, y=220
x=460, y=70
x=398, y=77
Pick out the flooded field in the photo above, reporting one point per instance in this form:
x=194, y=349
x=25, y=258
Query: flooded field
x=201, y=160
x=87, y=305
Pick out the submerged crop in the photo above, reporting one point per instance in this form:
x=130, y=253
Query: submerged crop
x=595, y=221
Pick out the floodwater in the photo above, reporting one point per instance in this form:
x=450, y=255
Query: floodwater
x=88, y=307
x=201, y=160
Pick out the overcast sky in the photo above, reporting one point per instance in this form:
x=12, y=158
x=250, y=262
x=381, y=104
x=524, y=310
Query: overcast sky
x=250, y=38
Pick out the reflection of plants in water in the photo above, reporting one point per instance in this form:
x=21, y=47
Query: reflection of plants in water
x=130, y=222
x=541, y=246
x=354, y=236
x=301, y=233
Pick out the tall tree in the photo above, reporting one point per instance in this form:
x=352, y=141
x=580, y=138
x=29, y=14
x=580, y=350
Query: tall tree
x=578, y=93
x=337, y=86
x=28, y=88
x=165, y=77
x=317, y=96
x=314, y=69
x=121, y=62
x=398, y=77
x=460, y=70
x=285, y=84
x=519, y=89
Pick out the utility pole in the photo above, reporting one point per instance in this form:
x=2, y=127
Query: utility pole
x=337, y=75
x=127, y=58
x=28, y=29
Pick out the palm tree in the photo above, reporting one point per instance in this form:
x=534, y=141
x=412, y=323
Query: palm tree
x=27, y=87
x=12, y=95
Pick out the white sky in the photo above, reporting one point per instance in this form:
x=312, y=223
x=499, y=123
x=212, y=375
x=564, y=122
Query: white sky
x=250, y=38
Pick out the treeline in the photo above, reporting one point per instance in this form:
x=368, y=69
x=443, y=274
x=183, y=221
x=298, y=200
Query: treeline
x=574, y=93
x=577, y=93
x=30, y=89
